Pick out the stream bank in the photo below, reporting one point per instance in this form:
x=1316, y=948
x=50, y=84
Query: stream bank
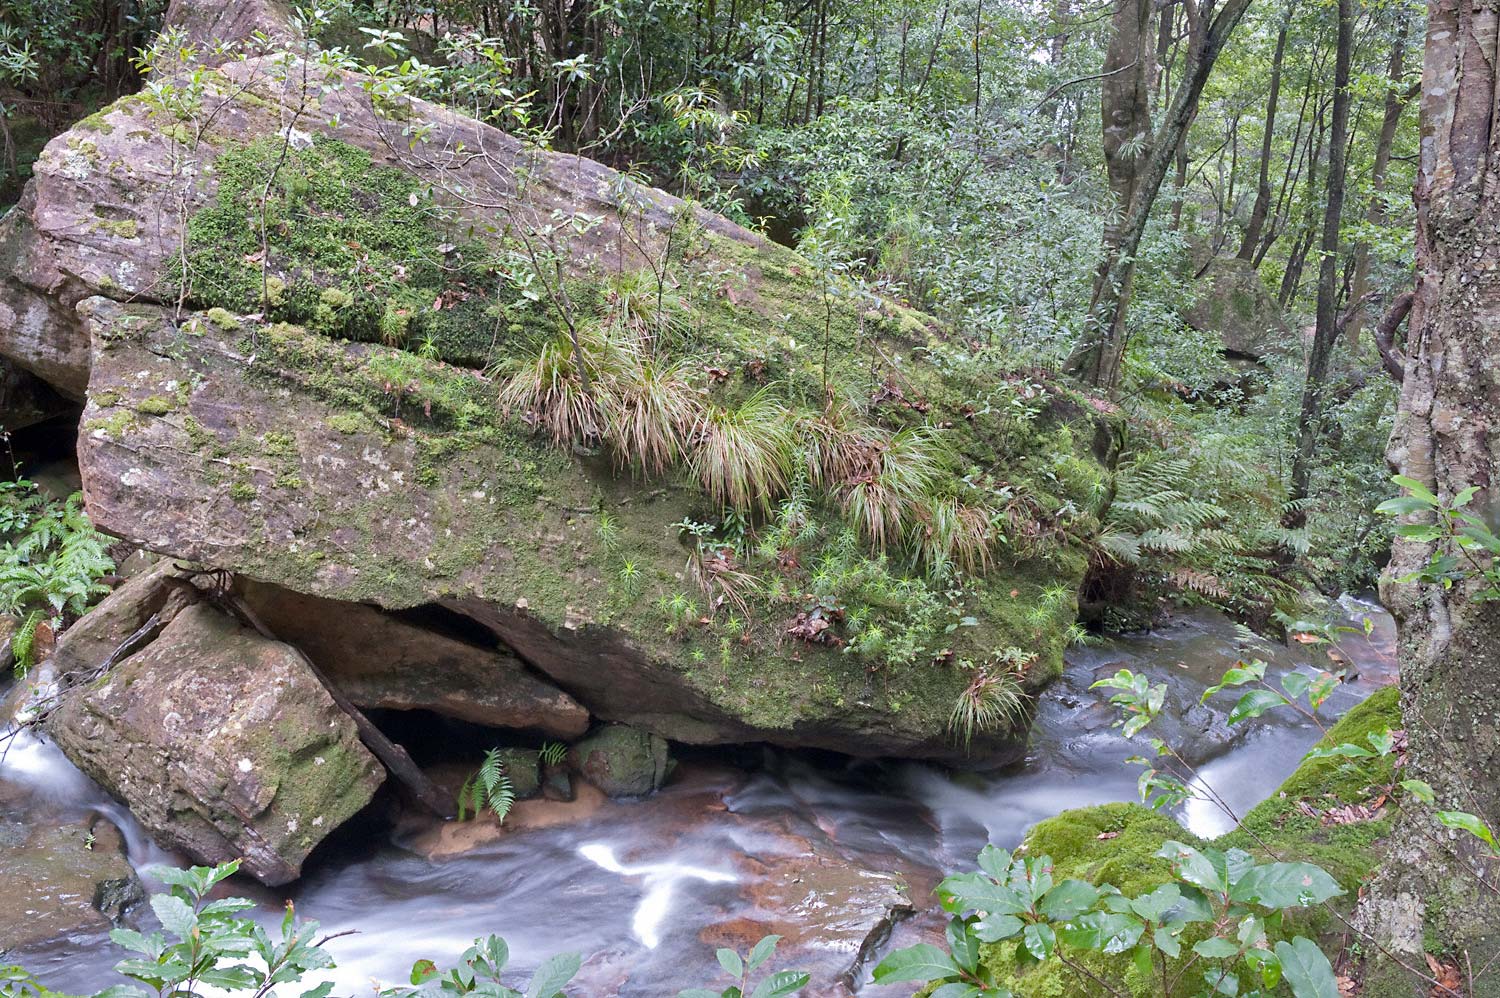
x=828, y=852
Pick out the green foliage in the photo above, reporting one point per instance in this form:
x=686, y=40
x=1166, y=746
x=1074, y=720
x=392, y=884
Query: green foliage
x=992, y=700
x=478, y=972
x=1213, y=919
x=553, y=753
x=487, y=788
x=781, y=984
x=206, y=943
x=51, y=561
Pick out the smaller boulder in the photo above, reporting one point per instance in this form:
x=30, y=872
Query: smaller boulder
x=523, y=767
x=63, y=880
x=621, y=760
x=557, y=784
x=222, y=743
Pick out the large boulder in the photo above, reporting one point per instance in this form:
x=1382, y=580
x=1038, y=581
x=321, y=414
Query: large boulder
x=1234, y=302
x=265, y=428
x=222, y=743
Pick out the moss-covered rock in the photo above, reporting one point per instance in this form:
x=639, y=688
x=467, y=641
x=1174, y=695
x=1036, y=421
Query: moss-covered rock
x=329, y=420
x=621, y=760
x=222, y=743
x=1117, y=844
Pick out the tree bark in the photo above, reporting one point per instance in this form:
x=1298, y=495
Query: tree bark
x=1263, y=185
x=1100, y=352
x=1325, y=334
x=1432, y=895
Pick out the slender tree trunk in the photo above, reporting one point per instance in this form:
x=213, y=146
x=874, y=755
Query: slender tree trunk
x=1395, y=102
x=1436, y=893
x=1325, y=333
x=1100, y=353
x=1263, y=185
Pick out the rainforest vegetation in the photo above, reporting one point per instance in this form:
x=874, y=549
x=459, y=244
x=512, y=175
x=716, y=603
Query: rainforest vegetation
x=815, y=373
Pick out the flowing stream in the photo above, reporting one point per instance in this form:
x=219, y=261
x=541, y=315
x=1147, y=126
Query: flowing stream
x=737, y=845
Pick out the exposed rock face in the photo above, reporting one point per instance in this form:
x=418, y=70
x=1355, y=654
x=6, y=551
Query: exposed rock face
x=209, y=26
x=1235, y=303
x=621, y=760
x=379, y=660
x=221, y=742
x=62, y=880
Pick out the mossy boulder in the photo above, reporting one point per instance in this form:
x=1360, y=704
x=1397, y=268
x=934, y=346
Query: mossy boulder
x=1233, y=301
x=621, y=760
x=524, y=769
x=324, y=417
x=222, y=743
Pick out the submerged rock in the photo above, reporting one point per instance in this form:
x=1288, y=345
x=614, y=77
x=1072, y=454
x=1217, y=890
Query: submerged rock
x=222, y=743
x=622, y=761
x=63, y=880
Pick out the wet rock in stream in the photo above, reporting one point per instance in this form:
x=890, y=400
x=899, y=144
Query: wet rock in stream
x=63, y=880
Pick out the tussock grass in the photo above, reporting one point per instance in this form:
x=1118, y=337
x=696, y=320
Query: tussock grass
x=742, y=457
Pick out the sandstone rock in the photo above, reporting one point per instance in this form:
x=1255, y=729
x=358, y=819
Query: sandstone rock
x=557, y=784
x=1234, y=302
x=210, y=24
x=61, y=880
x=302, y=454
x=621, y=760
x=221, y=742
x=380, y=660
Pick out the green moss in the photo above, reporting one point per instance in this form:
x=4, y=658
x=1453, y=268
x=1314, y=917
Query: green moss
x=155, y=405
x=113, y=426
x=347, y=423
x=1116, y=844
x=127, y=228
x=222, y=318
x=356, y=251
x=242, y=492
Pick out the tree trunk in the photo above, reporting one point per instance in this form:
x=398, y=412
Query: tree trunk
x=1100, y=353
x=1263, y=185
x=1325, y=334
x=1395, y=102
x=1432, y=895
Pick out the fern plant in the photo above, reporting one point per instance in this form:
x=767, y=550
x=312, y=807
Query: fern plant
x=553, y=753
x=51, y=562
x=487, y=788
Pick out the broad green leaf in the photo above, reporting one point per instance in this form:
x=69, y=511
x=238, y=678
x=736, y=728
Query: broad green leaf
x=781, y=984
x=1069, y=899
x=1470, y=823
x=1416, y=488
x=1306, y=970
x=962, y=944
x=1254, y=704
x=1154, y=906
x=1103, y=931
x=1039, y=939
x=1348, y=750
x=993, y=928
x=1295, y=684
x=731, y=962
x=423, y=971
x=762, y=951
x=175, y=914
x=922, y=962
x=1201, y=869
x=1215, y=948
x=1419, y=789
x=1285, y=885
x=555, y=972
x=958, y=989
